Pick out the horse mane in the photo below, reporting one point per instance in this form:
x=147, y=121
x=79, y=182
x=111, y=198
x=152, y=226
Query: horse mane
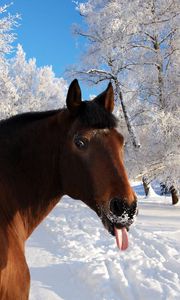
x=94, y=115
x=14, y=122
x=90, y=114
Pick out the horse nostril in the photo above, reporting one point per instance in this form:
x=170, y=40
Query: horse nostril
x=117, y=206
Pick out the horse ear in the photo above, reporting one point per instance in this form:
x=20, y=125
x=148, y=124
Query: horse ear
x=74, y=99
x=107, y=98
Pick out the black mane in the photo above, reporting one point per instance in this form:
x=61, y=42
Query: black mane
x=90, y=114
x=94, y=115
x=24, y=119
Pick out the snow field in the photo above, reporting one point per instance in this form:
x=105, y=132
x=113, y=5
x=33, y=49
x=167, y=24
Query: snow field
x=71, y=256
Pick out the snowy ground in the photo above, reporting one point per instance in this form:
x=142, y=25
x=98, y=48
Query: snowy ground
x=72, y=257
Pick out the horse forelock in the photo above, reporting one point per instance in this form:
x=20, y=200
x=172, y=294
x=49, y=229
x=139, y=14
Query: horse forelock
x=95, y=116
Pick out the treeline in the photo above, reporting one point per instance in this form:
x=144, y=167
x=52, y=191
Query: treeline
x=24, y=86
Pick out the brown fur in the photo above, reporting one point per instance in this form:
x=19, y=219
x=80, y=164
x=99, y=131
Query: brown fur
x=40, y=162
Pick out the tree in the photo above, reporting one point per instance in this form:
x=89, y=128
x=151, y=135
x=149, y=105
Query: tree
x=158, y=42
x=108, y=48
x=135, y=44
x=7, y=23
x=7, y=89
x=37, y=88
x=24, y=86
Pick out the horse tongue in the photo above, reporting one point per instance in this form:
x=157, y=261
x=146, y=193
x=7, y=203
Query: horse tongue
x=121, y=238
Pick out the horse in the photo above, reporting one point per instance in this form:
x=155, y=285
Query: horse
x=75, y=151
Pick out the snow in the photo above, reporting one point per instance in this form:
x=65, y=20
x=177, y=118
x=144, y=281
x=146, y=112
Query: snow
x=71, y=256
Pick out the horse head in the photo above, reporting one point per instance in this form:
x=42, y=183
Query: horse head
x=92, y=161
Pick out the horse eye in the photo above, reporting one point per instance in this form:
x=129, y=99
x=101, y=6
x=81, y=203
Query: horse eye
x=81, y=142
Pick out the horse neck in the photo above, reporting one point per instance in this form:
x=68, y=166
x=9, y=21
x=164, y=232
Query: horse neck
x=35, y=180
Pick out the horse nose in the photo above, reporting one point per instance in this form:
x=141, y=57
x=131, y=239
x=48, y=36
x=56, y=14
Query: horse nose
x=120, y=207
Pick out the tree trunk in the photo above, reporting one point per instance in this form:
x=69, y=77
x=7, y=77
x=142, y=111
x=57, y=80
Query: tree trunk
x=131, y=130
x=146, y=185
x=174, y=194
x=159, y=67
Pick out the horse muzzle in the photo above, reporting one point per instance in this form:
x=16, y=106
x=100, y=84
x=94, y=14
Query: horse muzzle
x=120, y=214
x=121, y=211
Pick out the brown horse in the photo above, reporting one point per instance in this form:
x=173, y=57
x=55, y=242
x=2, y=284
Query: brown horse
x=44, y=155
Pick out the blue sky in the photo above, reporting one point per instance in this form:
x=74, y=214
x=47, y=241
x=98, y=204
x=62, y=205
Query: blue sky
x=45, y=33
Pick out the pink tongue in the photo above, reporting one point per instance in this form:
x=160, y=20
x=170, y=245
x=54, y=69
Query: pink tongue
x=121, y=238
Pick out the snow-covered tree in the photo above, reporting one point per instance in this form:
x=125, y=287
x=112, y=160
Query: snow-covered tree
x=7, y=23
x=24, y=86
x=158, y=48
x=158, y=44
x=109, y=26
x=7, y=90
x=135, y=44
x=36, y=88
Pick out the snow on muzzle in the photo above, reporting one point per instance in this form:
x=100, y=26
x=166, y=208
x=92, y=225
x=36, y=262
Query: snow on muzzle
x=118, y=219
